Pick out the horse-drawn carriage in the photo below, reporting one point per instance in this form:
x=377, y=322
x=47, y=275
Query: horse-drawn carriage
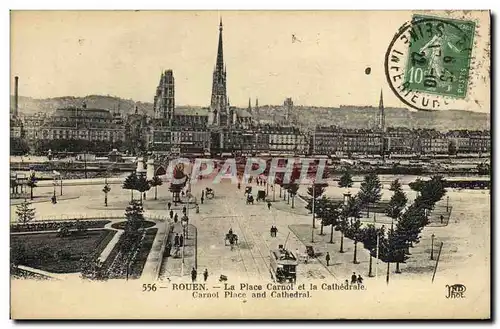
x=209, y=193
x=250, y=199
x=261, y=195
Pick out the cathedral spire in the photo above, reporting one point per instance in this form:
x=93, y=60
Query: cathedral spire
x=220, y=56
x=219, y=102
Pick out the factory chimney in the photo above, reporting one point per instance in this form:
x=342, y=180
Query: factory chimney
x=16, y=96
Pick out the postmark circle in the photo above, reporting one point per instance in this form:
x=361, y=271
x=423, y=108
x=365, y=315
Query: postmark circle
x=427, y=62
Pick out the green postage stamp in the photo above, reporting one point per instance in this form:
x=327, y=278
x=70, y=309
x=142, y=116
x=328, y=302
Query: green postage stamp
x=439, y=56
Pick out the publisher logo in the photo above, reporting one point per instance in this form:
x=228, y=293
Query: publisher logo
x=455, y=291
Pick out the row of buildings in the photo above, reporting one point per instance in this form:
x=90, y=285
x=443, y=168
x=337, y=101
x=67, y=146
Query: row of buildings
x=222, y=128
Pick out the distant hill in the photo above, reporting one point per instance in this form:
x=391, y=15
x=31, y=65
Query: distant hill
x=345, y=116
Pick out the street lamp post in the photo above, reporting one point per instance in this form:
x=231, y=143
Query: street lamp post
x=313, y=212
x=184, y=223
x=447, y=203
x=432, y=246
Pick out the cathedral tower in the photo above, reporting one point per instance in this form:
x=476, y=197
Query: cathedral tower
x=219, y=102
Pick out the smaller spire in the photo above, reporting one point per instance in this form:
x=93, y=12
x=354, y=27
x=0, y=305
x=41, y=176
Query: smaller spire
x=220, y=24
x=249, y=103
x=381, y=102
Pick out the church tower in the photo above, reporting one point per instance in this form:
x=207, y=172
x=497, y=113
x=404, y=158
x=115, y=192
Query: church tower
x=381, y=113
x=219, y=102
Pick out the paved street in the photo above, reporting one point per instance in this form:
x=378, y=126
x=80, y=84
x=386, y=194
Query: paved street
x=249, y=260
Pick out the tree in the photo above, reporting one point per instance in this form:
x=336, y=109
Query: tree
x=395, y=185
x=142, y=185
x=345, y=180
x=398, y=201
x=292, y=190
x=369, y=240
x=431, y=192
x=321, y=210
x=315, y=191
x=353, y=229
x=350, y=210
x=370, y=191
x=130, y=183
x=452, y=147
x=106, y=189
x=155, y=182
x=134, y=213
x=24, y=212
x=32, y=184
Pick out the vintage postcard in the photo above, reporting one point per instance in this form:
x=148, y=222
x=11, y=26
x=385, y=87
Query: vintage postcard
x=250, y=165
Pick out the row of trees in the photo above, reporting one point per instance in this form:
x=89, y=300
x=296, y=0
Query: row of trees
x=140, y=183
x=407, y=221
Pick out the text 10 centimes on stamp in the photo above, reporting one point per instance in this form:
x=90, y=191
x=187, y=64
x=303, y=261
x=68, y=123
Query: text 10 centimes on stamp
x=428, y=61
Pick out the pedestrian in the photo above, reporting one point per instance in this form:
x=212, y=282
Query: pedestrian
x=239, y=186
x=205, y=275
x=181, y=240
x=442, y=218
x=272, y=231
x=201, y=199
x=176, y=240
x=354, y=279
x=202, y=194
x=360, y=279
x=169, y=205
x=176, y=218
x=346, y=282
x=327, y=259
x=171, y=212
x=169, y=248
x=269, y=205
x=275, y=231
x=197, y=209
x=184, y=210
x=193, y=274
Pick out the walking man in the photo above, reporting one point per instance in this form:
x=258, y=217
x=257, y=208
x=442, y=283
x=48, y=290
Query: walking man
x=202, y=195
x=169, y=205
x=181, y=240
x=327, y=259
x=354, y=279
x=176, y=240
x=176, y=218
x=202, y=199
x=271, y=231
x=442, y=219
x=360, y=279
x=269, y=205
x=193, y=274
x=171, y=212
x=205, y=275
x=184, y=210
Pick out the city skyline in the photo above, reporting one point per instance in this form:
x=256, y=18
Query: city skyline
x=124, y=53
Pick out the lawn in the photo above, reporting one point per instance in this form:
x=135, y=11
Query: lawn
x=48, y=252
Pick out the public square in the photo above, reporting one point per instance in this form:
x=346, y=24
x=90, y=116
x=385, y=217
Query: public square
x=465, y=238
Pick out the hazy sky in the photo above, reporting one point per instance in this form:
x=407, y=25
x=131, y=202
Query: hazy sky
x=123, y=53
